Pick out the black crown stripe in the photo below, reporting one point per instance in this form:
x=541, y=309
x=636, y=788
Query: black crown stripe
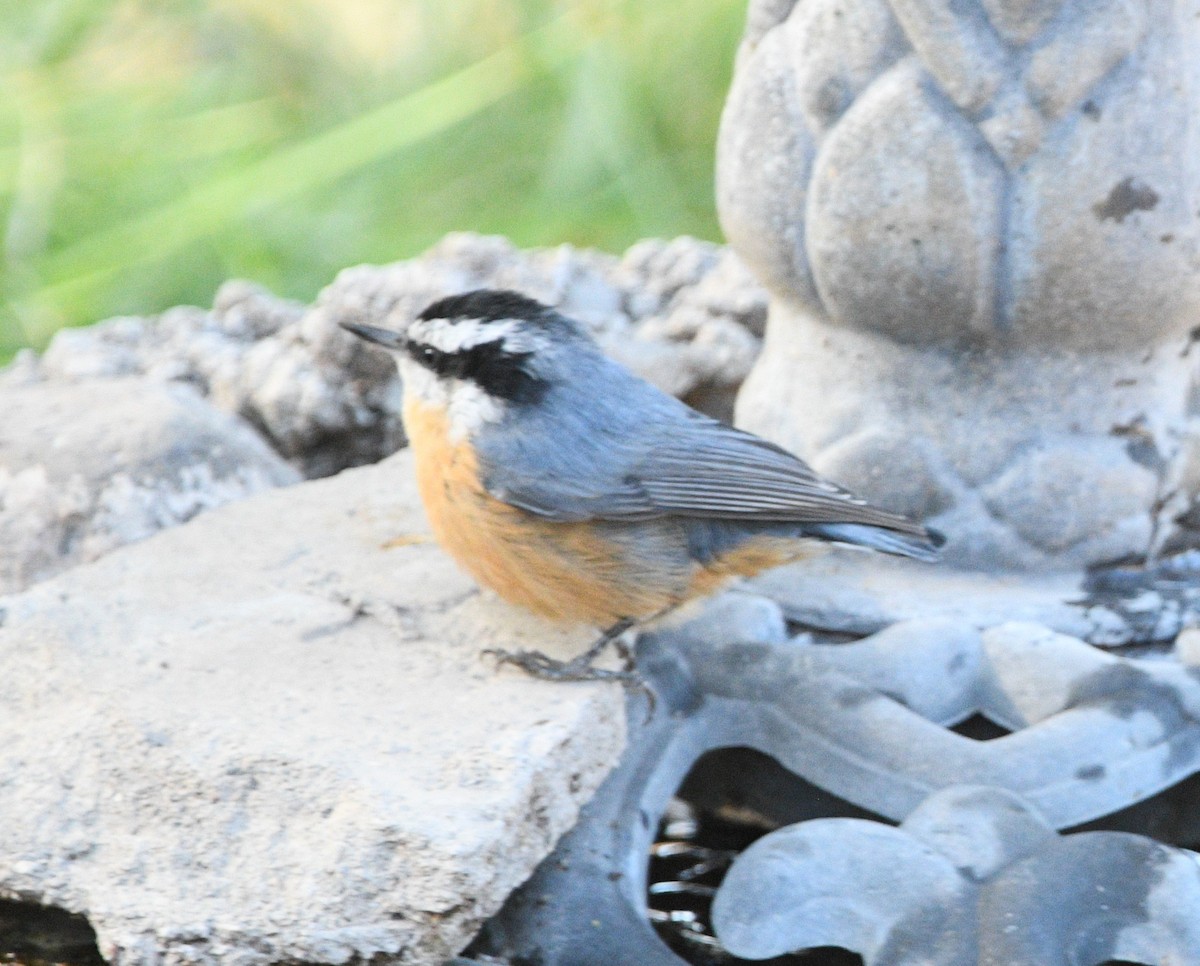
x=486, y=305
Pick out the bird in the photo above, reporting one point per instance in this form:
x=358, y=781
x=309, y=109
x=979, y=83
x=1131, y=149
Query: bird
x=579, y=491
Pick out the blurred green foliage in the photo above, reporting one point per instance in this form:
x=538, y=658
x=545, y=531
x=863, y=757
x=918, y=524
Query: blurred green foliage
x=150, y=149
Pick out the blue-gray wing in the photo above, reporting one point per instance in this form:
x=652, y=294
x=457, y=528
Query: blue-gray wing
x=736, y=484
x=605, y=445
x=648, y=455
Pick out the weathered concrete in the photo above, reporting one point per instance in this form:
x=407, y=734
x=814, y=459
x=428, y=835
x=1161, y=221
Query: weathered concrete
x=269, y=735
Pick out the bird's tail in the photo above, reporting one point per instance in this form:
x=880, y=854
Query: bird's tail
x=919, y=547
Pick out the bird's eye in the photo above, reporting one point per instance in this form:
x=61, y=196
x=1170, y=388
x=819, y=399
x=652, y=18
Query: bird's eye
x=427, y=353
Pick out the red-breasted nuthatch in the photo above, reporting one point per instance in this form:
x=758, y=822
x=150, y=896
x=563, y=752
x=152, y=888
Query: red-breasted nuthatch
x=571, y=487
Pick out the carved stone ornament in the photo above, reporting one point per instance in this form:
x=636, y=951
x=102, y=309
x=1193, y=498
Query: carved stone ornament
x=980, y=225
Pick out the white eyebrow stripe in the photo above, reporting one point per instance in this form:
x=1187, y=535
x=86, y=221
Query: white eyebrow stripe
x=450, y=336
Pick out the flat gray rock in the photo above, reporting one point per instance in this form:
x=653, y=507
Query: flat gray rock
x=86, y=467
x=856, y=593
x=269, y=735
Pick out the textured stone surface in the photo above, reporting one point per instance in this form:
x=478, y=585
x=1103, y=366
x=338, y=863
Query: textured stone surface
x=685, y=314
x=314, y=395
x=269, y=736
x=86, y=467
x=980, y=225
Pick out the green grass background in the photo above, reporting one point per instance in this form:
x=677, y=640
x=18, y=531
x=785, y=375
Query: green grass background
x=150, y=149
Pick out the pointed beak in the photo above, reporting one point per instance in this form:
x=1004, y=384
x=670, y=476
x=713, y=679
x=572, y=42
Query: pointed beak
x=384, y=337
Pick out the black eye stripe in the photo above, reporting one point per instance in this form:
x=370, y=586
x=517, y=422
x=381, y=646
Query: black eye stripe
x=435, y=360
x=496, y=371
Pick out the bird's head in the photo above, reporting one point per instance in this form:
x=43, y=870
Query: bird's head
x=480, y=353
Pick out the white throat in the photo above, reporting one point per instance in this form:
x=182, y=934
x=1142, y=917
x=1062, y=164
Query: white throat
x=468, y=408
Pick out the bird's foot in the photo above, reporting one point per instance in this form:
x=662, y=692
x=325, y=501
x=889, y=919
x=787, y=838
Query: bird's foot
x=542, y=666
x=581, y=668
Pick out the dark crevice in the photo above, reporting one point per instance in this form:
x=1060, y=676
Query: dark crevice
x=35, y=935
x=979, y=727
x=730, y=799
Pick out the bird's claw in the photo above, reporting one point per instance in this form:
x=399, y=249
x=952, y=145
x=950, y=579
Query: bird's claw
x=545, y=668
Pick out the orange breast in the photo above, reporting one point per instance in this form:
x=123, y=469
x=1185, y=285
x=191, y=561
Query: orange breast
x=580, y=572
